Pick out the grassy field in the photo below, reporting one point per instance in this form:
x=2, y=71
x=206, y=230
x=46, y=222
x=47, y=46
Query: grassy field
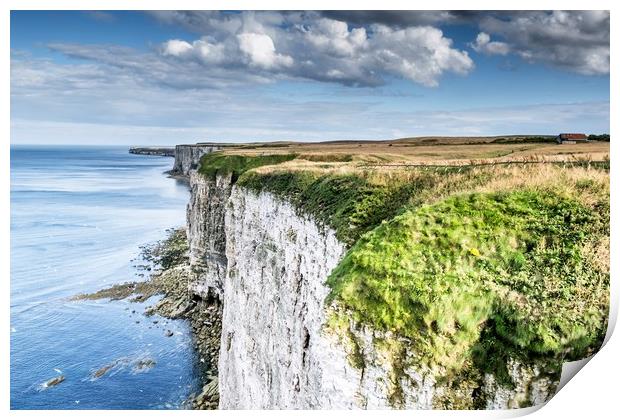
x=462, y=253
x=453, y=150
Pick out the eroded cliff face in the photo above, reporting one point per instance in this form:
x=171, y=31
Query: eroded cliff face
x=207, y=260
x=265, y=265
x=187, y=156
x=206, y=235
x=531, y=386
x=277, y=262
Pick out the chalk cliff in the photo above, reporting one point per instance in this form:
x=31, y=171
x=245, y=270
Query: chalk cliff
x=187, y=156
x=266, y=265
x=206, y=234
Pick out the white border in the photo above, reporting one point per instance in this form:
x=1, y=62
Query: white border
x=591, y=394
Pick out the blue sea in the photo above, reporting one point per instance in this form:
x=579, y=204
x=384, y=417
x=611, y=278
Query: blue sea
x=78, y=218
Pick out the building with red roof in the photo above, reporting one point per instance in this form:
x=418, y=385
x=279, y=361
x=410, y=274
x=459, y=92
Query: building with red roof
x=571, y=138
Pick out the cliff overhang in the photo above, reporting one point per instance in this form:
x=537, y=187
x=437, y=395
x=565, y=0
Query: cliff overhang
x=444, y=287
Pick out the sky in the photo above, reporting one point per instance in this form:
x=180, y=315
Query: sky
x=171, y=77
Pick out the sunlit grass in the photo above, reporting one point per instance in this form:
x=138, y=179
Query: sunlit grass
x=471, y=263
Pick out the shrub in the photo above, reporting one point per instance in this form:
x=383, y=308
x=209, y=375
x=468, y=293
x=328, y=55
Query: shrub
x=599, y=137
x=511, y=264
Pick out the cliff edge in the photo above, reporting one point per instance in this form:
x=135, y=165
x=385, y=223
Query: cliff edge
x=444, y=287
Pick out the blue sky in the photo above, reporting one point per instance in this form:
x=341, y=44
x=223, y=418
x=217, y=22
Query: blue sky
x=174, y=77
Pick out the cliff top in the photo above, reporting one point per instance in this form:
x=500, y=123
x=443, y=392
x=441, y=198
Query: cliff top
x=427, y=150
x=469, y=255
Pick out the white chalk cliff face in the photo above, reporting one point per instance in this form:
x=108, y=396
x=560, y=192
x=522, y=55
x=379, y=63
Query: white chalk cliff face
x=267, y=265
x=277, y=262
x=206, y=235
x=187, y=156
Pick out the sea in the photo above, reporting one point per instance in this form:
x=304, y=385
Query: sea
x=79, y=216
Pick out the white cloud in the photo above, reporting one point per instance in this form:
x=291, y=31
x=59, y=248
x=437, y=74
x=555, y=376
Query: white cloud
x=184, y=71
x=576, y=41
x=201, y=50
x=483, y=44
x=317, y=48
x=176, y=47
x=262, y=52
x=334, y=38
x=248, y=48
x=573, y=40
x=421, y=54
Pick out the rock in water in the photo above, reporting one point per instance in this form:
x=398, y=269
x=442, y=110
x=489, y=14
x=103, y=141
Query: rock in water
x=54, y=381
x=105, y=369
x=144, y=365
x=169, y=333
x=102, y=371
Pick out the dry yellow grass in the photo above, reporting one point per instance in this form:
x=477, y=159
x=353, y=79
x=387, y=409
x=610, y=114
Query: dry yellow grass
x=546, y=176
x=458, y=168
x=585, y=183
x=400, y=151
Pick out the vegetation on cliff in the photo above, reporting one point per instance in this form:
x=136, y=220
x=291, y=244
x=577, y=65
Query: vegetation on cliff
x=170, y=252
x=519, y=263
x=471, y=266
x=212, y=164
x=348, y=203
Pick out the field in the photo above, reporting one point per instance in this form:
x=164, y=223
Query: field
x=470, y=255
x=455, y=150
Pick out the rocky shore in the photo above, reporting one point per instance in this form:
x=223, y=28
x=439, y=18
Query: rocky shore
x=168, y=263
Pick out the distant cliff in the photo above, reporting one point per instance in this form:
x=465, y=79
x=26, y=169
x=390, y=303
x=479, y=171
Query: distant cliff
x=154, y=151
x=187, y=156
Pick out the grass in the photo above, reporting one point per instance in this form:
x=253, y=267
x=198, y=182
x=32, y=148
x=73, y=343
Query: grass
x=465, y=266
x=327, y=157
x=531, y=139
x=426, y=150
x=347, y=203
x=511, y=269
x=213, y=164
x=353, y=200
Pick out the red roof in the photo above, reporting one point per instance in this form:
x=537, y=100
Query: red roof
x=573, y=136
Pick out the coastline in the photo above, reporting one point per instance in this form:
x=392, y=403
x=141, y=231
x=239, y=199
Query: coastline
x=103, y=227
x=166, y=272
x=224, y=224
x=168, y=263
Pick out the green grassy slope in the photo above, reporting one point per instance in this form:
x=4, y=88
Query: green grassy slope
x=516, y=262
x=470, y=266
